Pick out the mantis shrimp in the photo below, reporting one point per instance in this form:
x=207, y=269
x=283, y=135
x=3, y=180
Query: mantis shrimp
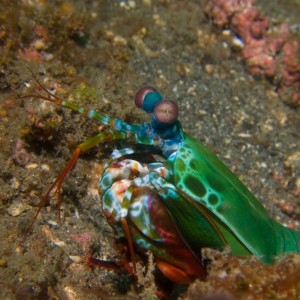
x=176, y=205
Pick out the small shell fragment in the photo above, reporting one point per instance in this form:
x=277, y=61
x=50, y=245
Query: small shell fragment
x=45, y=167
x=17, y=208
x=52, y=223
x=75, y=258
x=60, y=244
x=31, y=166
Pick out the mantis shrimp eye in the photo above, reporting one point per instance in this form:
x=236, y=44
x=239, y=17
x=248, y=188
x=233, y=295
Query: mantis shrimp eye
x=146, y=98
x=166, y=112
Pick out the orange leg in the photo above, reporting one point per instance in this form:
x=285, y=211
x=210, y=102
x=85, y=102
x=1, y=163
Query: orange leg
x=107, y=136
x=130, y=243
x=57, y=185
x=173, y=273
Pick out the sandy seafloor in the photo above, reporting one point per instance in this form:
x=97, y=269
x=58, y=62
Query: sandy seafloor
x=97, y=54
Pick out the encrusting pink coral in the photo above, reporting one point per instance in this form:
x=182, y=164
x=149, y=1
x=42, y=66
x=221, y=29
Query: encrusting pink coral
x=275, y=54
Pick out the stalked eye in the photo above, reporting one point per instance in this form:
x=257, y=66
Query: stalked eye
x=166, y=112
x=146, y=98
